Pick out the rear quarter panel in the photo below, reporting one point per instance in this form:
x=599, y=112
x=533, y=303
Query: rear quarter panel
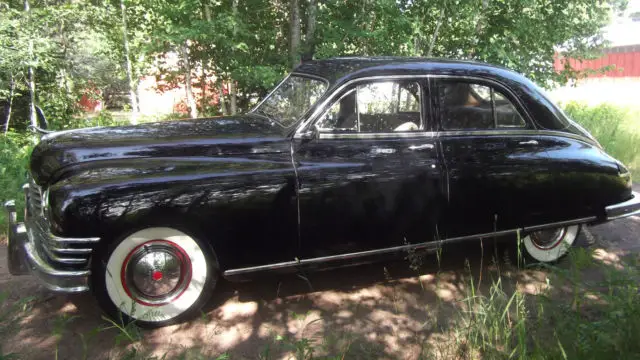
x=583, y=178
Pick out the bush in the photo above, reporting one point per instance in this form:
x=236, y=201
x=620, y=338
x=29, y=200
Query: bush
x=103, y=118
x=15, y=149
x=616, y=128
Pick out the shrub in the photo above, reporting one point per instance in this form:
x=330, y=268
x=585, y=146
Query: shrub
x=616, y=128
x=15, y=149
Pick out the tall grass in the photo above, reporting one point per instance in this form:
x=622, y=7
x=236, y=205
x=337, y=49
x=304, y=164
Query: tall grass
x=616, y=128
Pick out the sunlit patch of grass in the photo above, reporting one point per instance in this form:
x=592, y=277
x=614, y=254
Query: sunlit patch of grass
x=577, y=318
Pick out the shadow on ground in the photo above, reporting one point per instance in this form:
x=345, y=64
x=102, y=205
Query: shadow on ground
x=383, y=310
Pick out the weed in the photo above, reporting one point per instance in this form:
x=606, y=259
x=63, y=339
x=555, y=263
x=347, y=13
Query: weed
x=59, y=326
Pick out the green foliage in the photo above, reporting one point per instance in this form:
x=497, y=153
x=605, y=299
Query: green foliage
x=594, y=320
x=616, y=128
x=103, y=118
x=77, y=48
x=14, y=156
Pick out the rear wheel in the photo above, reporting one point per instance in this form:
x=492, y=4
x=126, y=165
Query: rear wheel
x=550, y=245
x=156, y=276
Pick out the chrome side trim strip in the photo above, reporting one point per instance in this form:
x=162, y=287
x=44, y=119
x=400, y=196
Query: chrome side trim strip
x=432, y=134
x=421, y=246
x=560, y=224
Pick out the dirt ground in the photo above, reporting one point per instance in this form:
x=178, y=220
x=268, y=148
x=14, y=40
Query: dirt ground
x=377, y=311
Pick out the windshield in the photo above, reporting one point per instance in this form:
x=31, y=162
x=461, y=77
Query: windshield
x=291, y=99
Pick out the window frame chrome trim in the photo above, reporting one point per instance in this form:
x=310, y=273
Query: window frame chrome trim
x=357, y=90
x=316, y=114
x=428, y=245
x=392, y=135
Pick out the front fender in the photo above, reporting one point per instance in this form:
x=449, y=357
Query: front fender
x=240, y=199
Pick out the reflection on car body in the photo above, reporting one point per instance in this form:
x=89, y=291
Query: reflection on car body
x=346, y=161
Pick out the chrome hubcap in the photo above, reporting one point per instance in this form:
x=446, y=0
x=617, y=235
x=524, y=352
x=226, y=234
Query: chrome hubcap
x=548, y=239
x=156, y=272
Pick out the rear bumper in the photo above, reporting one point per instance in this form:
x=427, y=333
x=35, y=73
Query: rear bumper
x=61, y=264
x=628, y=208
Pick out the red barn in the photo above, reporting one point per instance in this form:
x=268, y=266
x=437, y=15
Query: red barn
x=624, y=59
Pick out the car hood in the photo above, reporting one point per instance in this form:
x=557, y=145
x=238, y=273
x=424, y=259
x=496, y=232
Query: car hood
x=222, y=136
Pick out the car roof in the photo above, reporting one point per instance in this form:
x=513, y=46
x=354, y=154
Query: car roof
x=341, y=69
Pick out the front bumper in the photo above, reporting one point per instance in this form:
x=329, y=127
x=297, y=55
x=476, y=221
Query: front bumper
x=628, y=208
x=61, y=264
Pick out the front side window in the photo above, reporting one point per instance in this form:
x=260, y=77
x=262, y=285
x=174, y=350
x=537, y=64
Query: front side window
x=377, y=107
x=291, y=99
x=469, y=106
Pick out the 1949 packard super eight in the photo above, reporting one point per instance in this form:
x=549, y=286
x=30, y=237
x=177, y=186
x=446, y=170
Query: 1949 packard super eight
x=345, y=161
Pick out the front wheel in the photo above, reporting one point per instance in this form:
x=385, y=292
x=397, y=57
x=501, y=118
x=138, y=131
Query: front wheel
x=550, y=245
x=156, y=277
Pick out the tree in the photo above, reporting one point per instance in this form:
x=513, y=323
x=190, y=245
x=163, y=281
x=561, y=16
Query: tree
x=127, y=58
x=85, y=46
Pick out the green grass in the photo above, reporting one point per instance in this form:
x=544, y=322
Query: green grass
x=616, y=128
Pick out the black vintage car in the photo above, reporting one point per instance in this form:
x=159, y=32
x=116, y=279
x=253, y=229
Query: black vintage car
x=346, y=160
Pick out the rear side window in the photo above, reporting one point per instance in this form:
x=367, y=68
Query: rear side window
x=470, y=106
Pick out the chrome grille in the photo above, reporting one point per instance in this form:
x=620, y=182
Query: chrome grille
x=56, y=250
x=35, y=199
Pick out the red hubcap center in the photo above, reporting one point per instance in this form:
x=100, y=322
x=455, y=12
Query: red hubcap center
x=157, y=275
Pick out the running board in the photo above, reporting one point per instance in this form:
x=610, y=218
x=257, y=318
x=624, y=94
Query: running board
x=429, y=245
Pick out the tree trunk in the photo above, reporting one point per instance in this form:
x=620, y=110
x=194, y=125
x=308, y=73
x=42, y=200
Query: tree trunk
x=479, y=27
x=310, y=45
x=232, y=83
x=191, y=101
x=434, y=37
x=12, y=86
x=233, y=94
x=223, y=106
x=294, y=33
x=203, y=86
x=31, y=76
x=127, y=58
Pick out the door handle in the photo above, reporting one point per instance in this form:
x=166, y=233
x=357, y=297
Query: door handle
x=529, y=142
x=421, y=147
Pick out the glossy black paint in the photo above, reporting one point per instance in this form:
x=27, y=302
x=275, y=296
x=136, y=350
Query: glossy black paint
x=261, y=195
x=367, y=194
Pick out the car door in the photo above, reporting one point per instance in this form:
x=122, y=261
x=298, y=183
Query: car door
x=496, y=164
x=371, y=178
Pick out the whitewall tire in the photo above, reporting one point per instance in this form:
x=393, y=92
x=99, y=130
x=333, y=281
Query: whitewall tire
x=550, y=245
x=155, y=276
